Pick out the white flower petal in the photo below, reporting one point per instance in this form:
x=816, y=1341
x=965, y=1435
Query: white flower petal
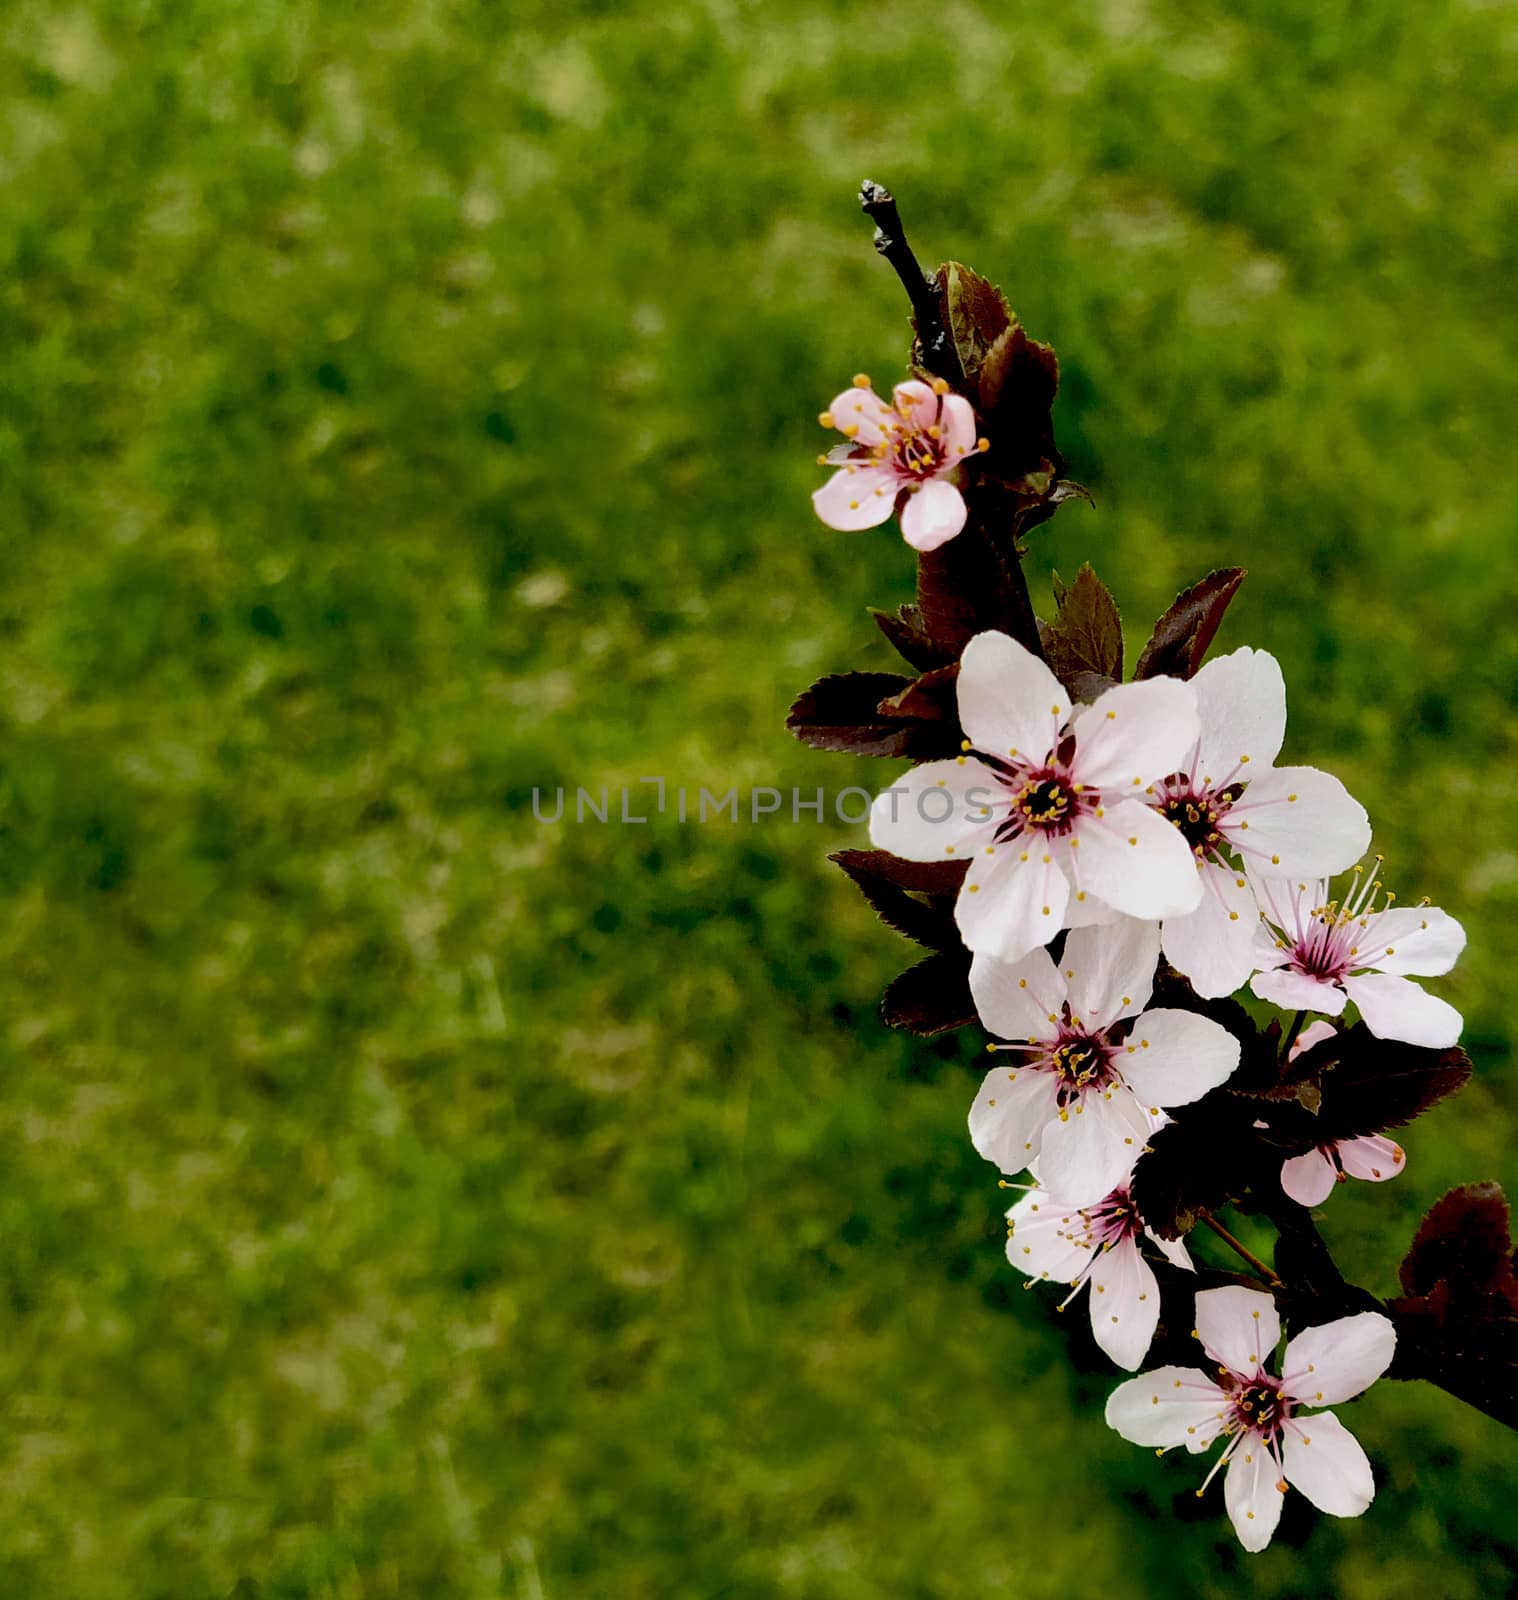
x=938, y=810
x=1010, y=1113
x=1214, y=946
x=1238, y=1328
x=1373, y=1157
x=1295, y=991
x=933, y=514
x=1018, y=1000
x=1136, y=862
x=1111, y=970
x=1125, y=1304
x=1241, y=700
x=1173, y=1250
x=1300, y=821
x=1252, y=1493
x=1009, y=700
x=1084, y=1156
x=1324, y=1460
x=1048, y=1239
x=1012, y=902
x=1416, y=941
x=855, y=498
x=1396, y=1008
x=1135, y=734
x=1169, y=1406
x=1309, y=1179
x=1175, y=1057
x=1335, y=1362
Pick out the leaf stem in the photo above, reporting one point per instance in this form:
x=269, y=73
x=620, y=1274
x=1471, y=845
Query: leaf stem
x=1242, y=1250
x=1291, y=1034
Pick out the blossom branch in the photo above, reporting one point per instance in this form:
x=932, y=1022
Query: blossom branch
x=1240, y=1249
x=938, y=354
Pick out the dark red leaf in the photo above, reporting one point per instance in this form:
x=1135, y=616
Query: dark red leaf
x=1181, y=637
x=905, y=631
x=929, y=921
x=933, y=698
x=933, y=996
x=1085, y=640
x=1464, y=1241
x=967, y=586
x=841, y=712
x=976, y=314
x=1193, y=1165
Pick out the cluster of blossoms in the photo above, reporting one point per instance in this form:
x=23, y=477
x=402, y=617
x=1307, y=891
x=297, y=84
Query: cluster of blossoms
x=1098, y=869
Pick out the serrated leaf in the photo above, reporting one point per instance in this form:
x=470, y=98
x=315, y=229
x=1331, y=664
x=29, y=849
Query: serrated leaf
x=892, y=892
x=1192, y=1166
x=1464, y=1241
x=912, y=643
x=1181, y=637
x=1086, y=636
x=932, y=997
x=976, y=314
x=932, y=698
x=1019, y=377
x=841, y=712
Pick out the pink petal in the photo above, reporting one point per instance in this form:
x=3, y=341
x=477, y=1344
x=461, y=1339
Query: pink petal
x=1241, y=699
x=933, y=514
x=1309, y=1179
x=916, y=402
x=1173, y=1250
x=1135, y=734
x=1012, y=902
x=1018, y=1000
x=1083, y=1157
x=1134, y=861
x=1313, y=1033
x=1214, y=946
x=1373, y=1157
x=1335, y=1362
x=1294, y=991
x=1416, y=941
x=958, y=421
x=1238, y=1328
x=1174, y=1057
x=856, y=497
x=1010, y=1113
x=1110, y=970
x=1010, y=704
x=1167, y=1407
x=1048, y=1239
x=863, y=411
x=1252, y=1493
x=1396, y=1008
x=1125, y=1304
x=1300, y=821
x=1324, y=1460
x=938, y=810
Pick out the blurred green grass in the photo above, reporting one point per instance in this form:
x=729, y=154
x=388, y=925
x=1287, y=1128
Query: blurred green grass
x=402, y=410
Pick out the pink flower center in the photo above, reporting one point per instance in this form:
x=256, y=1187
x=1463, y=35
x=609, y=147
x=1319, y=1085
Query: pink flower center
x=1197, y=811
x=1258, y=1405
x=1113, y=1220
x=1045, y=800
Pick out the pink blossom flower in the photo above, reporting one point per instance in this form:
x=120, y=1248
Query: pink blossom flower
x=1317, y=954
x=1236, y=808
x=905, y=455
x=1309, y=1179
x=1272, y=1444
x=1097, y=1070
x=1047, y=809
x=1097, y=1245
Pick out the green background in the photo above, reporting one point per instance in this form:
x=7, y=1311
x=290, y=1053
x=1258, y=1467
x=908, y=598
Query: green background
x=405, y=405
